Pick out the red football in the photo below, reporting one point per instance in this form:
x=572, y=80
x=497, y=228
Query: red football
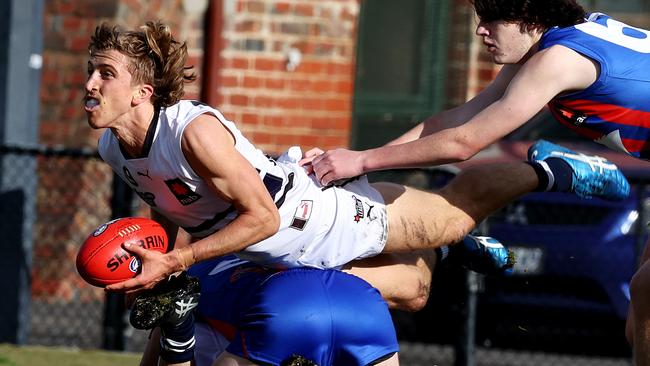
x=101, y=259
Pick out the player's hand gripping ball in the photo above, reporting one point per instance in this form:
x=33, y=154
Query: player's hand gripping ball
x=102, y=260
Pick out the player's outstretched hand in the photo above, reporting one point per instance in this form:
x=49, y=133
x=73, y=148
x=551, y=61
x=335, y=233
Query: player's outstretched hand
x=155, y=267
x=305, y=162
x=338, y=164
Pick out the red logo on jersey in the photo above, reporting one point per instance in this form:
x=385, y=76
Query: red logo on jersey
x=358, y=206
x=302, y=214
x=182, y=191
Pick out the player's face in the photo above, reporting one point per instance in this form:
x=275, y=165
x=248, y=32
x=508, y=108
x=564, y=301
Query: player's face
x=109, y=89
x=506, y=41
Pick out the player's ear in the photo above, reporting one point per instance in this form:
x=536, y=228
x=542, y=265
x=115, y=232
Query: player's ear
x=142, y=94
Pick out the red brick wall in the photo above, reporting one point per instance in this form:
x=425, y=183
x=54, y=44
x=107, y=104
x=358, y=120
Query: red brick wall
x=461, y=15
x=470, y=67
x=276, y=107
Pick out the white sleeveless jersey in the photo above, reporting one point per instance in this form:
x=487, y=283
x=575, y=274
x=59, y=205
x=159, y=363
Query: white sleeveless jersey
x=164, y=179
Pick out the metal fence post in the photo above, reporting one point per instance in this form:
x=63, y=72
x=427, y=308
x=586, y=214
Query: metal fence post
x=465, y=348
x=115, y=310
x=21, y=46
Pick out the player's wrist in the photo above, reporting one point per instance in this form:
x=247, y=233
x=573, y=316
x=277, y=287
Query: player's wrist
x=185, y=257
x=366, y=161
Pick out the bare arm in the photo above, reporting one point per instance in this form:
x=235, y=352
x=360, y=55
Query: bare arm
x=458, y=134
x=234, y=179
x=209, y=148
x=486, y=119
x=463, y=113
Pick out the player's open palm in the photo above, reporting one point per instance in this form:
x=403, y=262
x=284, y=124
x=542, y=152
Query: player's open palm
x=155, y=267
x=334, y=165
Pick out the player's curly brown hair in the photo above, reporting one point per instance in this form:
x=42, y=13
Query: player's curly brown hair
x=156, y=57
x=539, y=14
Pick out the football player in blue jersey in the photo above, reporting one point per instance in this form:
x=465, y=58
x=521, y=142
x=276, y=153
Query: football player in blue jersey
x=593, y=73
x=326, y=316
x=248, y=314
x=246, y=304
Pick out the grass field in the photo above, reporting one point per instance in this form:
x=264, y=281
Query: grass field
x=11, y=355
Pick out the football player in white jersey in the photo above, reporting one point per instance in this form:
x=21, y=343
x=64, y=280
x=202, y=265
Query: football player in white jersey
x=198, y=172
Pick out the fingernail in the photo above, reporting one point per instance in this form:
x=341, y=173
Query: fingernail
x=127, y=245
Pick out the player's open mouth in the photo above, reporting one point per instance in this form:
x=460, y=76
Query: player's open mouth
x=91, y=104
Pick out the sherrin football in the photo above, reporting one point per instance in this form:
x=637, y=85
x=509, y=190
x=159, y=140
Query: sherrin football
x=103, y=261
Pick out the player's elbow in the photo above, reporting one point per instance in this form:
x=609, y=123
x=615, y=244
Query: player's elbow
x=269, y=221
x=463, y=148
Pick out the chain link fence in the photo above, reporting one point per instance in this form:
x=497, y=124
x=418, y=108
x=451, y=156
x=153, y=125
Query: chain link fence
x=60, y=196
x=563, y=306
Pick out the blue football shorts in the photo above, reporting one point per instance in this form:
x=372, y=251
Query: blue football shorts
x=326, y=316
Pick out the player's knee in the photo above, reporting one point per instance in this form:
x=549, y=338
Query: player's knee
x=458, y=229
x=415, y=304
x=629, y=331
x=639, y=286
x=412, y=298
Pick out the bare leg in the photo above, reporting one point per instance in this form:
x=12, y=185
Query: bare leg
x=152, y=349
x=150, y=357
x=228, y=359
x=637, y=327
x=162, y=362
x=419, y=219
x=403, y=279
x=393, y=361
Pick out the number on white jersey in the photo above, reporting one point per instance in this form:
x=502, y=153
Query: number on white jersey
x=636, y=39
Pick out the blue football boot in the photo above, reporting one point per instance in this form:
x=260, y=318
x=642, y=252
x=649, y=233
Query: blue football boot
x=482, y=254
x=593, y=176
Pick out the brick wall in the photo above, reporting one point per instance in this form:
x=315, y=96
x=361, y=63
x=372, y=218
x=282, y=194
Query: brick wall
x=274, y=105
x=470, y=67
x=458, y=61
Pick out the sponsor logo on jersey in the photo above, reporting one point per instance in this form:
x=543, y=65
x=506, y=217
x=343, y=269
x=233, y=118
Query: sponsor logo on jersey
x=572, y=117
x=129, y=177
x=145, y=174
x=148, y=197
x=302, y=214
x=182, y=191
x=370, y=217
x=358, y=206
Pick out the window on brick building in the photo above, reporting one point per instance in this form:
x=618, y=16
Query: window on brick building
x=401, y=52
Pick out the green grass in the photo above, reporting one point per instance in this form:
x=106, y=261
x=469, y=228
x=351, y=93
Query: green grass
x=11, y=355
